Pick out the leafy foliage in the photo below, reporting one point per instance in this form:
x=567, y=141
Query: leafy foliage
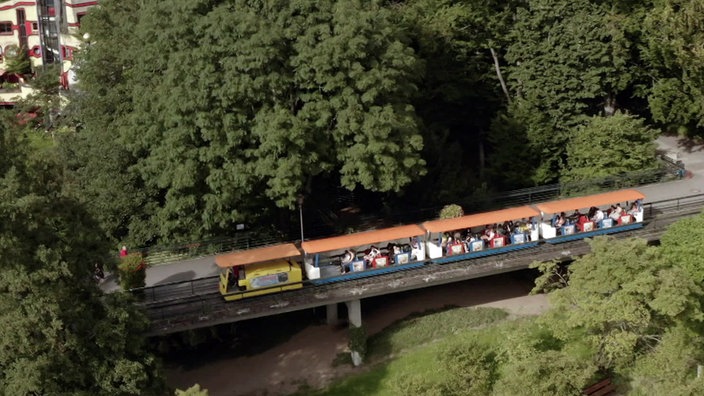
x=671, y=367
x=676, y=57
x=132, y=271
x=545, y=373
x=607, y=146
x=59, y=334
x=682, y=246
x=19, y=62
x=451, y=211
x=472, y=369
x=195, y=390
x=569, y=59
x=622, y=297
x=278, y=95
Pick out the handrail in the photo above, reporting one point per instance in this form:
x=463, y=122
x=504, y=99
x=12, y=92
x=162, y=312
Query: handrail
x=156, y=255
x=205, y=284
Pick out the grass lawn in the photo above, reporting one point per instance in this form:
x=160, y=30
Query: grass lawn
x=412, y=346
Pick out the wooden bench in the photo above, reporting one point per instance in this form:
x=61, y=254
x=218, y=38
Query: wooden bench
x=601, y=388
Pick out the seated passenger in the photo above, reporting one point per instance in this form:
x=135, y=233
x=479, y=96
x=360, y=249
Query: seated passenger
x=561, y=220
x=508, y=227
x=616, y=212
x=634, y=210
x=348, y=257
x=575, y=216
x=371, y=253
x=591, y=212
x=598, y=216
x=489, y=233
x=583, y=219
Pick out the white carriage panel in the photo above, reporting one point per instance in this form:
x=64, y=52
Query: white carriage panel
x=547, y=231
x=434, y=251
x=312, y=272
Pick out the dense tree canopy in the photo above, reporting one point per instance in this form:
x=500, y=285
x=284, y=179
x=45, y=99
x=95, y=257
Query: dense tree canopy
x=234, y=106
x=631, y=310
x=675, y=55
x=59, y=335
x=605, y=146
x=215, y=113
x=567, y=59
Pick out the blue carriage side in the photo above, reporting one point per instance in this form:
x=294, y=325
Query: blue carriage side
x=600, y=214
x=478, y=235
x=364, y=254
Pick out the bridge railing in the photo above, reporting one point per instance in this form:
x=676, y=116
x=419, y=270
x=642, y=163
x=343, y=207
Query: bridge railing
x=243, y=240
x=176, y=290
x=179, y=290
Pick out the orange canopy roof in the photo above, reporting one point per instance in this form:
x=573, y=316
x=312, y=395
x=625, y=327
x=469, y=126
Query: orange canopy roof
x=361, y=238
x=257, y=255
x=480, y=219
x=608, y=198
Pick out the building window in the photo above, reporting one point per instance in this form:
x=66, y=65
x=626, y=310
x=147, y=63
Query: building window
x=35, y=26
x=67, y=52
x=80, y=16
x=5, y=27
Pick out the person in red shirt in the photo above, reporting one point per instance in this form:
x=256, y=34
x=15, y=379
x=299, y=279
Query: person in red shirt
x=123, y=251
x=583, y=219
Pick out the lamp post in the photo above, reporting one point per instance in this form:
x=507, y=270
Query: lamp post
x=300, y=213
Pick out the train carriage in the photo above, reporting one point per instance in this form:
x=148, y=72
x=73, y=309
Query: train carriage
x=577, y=218
x=259, y=271
x=363, y=254
x=477, y=235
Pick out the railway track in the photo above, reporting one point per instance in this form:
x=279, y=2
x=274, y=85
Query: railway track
x=194, y=304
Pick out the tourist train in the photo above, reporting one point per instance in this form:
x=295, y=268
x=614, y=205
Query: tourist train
x=282, y=267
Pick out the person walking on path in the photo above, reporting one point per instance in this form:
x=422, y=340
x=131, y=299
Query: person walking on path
x=123, y=251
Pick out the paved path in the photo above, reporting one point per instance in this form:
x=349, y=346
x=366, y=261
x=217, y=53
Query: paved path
x=691, y=154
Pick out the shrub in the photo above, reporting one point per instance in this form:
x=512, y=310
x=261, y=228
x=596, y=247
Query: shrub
x=451, y=211
x=132, y=271
x=358, y=343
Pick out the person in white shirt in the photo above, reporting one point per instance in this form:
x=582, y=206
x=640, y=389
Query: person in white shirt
x=616, y=212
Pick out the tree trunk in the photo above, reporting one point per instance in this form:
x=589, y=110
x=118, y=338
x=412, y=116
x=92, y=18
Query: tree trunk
x=498, y=74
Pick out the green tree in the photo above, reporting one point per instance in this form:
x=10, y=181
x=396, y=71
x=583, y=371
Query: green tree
x=607, y=146
x=671, y=368
x=621, y=298
x=59, y=333
x=548, y=372
x=195, y=390
x=682, y=246
x=675, y=58
x=17, y=60
x=472, y=369
x=232, y=110
x=460, y=90
x=100, y=168
x=451, y=211
x=568, y=59
x=45, y=97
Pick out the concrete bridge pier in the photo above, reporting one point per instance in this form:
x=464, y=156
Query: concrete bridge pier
x=357, y=334
x=332, y=316
x=354, y=312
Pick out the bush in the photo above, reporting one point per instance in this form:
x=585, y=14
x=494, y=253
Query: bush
x=132, y=271
x=195, y=390
x=451, y=211
x=358, y=343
